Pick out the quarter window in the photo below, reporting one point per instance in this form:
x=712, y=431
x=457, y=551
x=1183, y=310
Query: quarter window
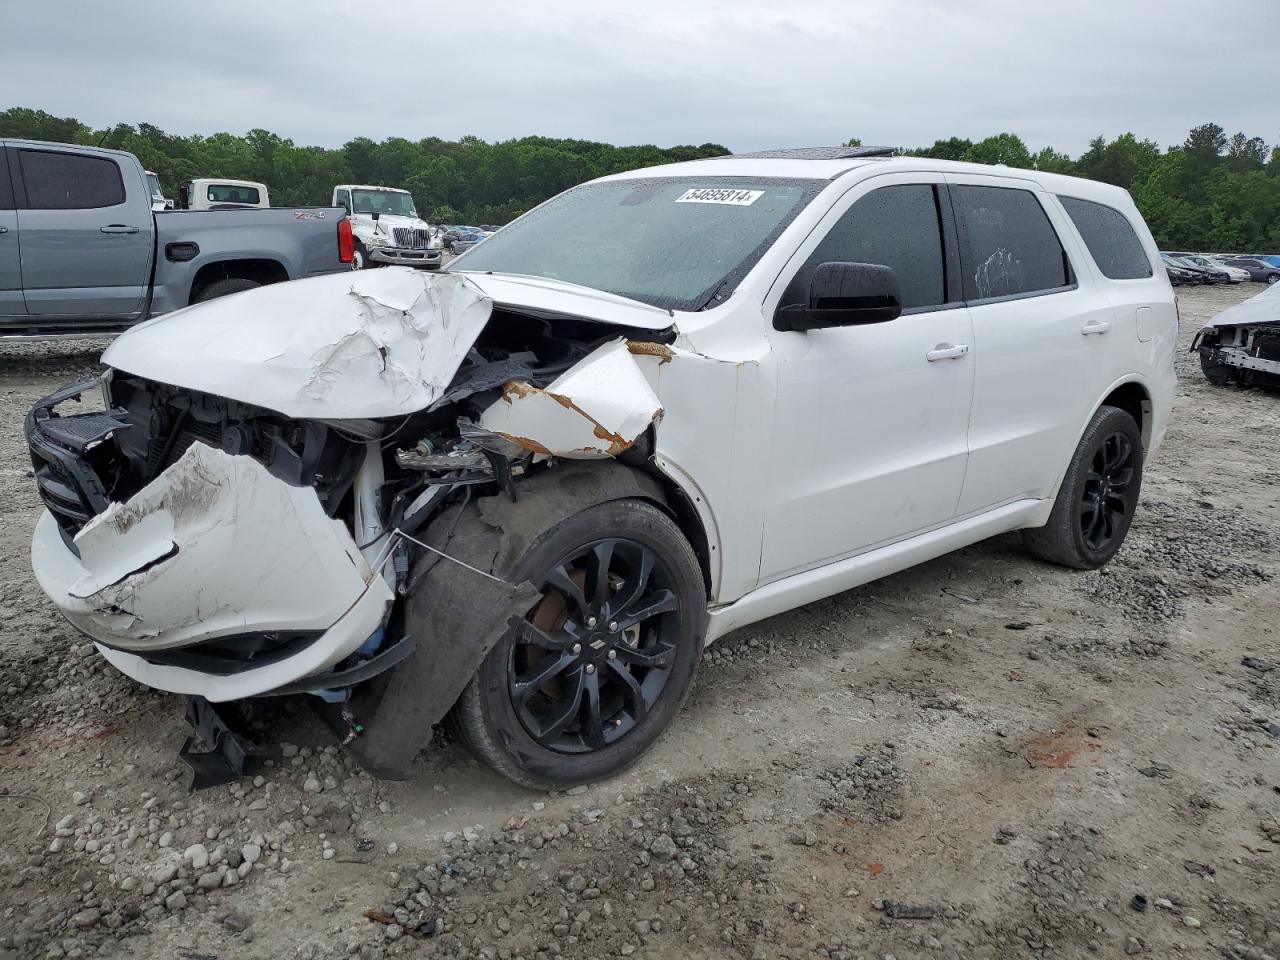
x=1007, y=245
x=69, y=181
x=895, y=226
x=1107, y=233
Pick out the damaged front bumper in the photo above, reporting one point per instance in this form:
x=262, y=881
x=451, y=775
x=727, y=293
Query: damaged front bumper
x=215, y=579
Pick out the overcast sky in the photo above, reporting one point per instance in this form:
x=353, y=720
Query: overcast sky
x=748, y=74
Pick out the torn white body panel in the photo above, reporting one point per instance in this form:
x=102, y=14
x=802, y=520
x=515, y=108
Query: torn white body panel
x=375, y=343
x=213, y=547
x=596, y=409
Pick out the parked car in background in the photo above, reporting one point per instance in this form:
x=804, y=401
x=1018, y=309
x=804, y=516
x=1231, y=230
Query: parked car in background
x=1187, y=272
x=1205, y=274
x=387, y=228
x=1215, y=268
x=83, y=253
x=158, y=200
x=1180, y=277
x=532, y=487
x=206, y=194
x=461, y=238
x=1237, y=274
x=1260, y=271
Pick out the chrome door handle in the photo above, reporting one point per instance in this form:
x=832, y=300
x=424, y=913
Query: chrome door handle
x=1095, y=326
x=947, y=351
x=117, y=228
x=4, y=229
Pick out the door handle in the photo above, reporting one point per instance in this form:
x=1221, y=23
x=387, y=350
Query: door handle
x=1096, y=326
x=117, y=228
x=947, y=351
x=4, y=229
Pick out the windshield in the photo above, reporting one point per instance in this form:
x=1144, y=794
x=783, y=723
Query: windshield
x=671, y=242
x=154, y=183
x=383, y=203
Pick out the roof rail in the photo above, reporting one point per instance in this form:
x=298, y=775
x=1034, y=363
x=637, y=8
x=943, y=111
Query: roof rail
x=817, y=153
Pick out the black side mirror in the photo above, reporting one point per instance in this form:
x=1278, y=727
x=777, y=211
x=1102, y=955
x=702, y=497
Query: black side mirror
x=376, y=215
x=841, y=295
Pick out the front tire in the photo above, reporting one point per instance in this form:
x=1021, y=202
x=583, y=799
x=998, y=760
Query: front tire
x=1099, y=494
x=1218, y=374
x=602, y=662
x=359, y=257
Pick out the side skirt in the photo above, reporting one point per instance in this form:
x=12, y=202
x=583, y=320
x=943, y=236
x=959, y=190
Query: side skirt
x=796, y=591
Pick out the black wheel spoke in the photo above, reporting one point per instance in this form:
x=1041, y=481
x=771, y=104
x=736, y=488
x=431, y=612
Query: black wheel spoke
x=632, y=693
x=639, y=568
x=660, y=601
x=592, y=721
x=658, y=656
x=597, y=585
x=533, y=636
x=562, y=582
x=525, y=687
x=566, y=712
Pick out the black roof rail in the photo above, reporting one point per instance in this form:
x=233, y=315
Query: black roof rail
x=817, y=153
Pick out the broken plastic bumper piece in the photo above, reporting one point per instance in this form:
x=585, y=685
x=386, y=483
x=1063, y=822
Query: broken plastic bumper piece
x=217, y=579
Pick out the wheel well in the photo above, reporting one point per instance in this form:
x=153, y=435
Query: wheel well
x=259, y=271
x=1133, y=399
x=685, y=515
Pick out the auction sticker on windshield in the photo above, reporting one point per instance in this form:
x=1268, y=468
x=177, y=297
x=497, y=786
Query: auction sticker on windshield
x=736, y=198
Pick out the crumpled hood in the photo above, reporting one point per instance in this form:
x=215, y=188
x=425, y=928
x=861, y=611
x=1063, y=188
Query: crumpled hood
x=1263, y=308
x=374, y=343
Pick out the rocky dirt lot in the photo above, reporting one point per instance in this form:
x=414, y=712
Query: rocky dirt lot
x=983, y=757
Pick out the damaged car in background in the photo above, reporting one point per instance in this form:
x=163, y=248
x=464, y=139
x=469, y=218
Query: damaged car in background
x=525, y=492
x=1242, y=344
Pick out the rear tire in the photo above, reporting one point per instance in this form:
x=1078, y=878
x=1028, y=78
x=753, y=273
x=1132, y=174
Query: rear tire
x=222, y=288
x=1099, y=494
x=574, y=701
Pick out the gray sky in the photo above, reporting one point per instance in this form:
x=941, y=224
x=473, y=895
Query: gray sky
x=746, y=73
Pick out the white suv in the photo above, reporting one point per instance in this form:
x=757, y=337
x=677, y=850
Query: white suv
x=660, y=406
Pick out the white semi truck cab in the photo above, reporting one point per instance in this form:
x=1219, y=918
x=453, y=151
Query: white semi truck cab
x=387, y=228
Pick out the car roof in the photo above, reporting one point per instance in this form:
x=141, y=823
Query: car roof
x=78, y=147
x=368, y=186
x=818, y=164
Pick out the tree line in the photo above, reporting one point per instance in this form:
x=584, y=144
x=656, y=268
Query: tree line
x=1211, y=192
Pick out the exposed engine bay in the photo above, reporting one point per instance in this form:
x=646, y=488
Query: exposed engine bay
x=1242, y=345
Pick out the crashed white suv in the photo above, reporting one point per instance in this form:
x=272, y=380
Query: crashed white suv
x=660, y=406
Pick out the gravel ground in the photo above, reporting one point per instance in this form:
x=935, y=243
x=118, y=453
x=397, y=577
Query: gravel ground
x=983, y=757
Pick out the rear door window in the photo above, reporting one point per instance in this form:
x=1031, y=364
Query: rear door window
x=896, y=226
x=69, y=181
x=1110, y=237
x=1008, y=247
x=226, y=193
x=6, y=191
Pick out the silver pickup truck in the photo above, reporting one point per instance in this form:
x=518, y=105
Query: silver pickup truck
x=82, y=253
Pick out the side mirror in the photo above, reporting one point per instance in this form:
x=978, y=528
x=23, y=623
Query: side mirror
x=376, y=216
x=184, y=198
x=841, y=294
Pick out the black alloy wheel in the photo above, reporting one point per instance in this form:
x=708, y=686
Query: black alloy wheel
x=605, y=657
x=590, y=660
x=1098, y=496
x=1104, y=503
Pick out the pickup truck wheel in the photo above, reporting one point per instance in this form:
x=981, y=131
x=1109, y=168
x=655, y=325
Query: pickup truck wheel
x=1098, y=496
x=221, y=288
x=359, y=257
x=603, y=660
